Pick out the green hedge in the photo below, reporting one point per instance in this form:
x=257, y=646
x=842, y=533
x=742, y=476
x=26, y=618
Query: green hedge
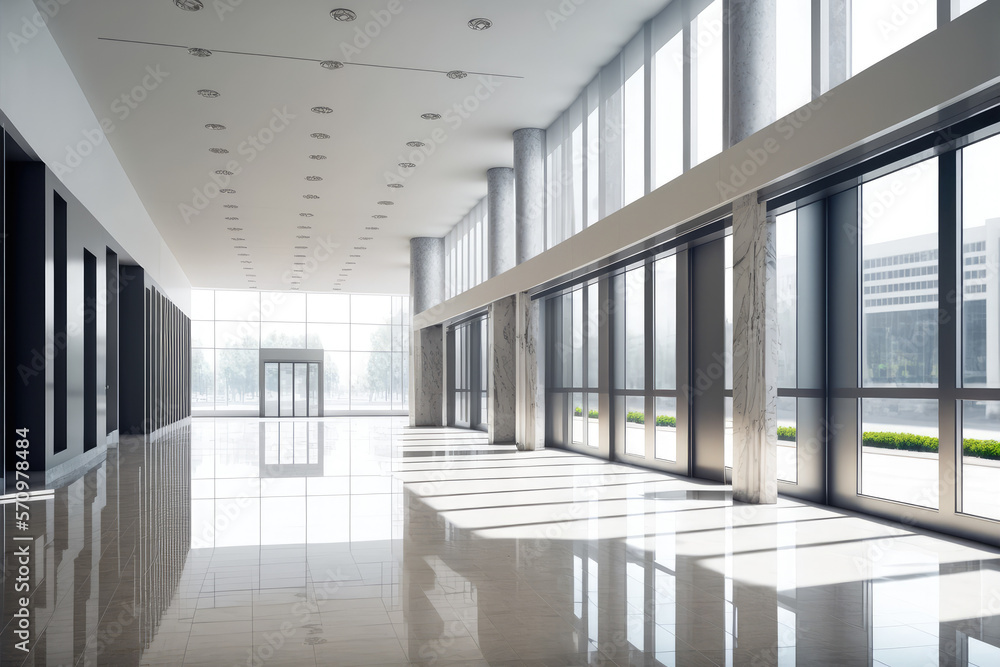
x=640, y=418
x=910, y=442
x=579, y=413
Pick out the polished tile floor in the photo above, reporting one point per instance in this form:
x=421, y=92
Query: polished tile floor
x=362, y=542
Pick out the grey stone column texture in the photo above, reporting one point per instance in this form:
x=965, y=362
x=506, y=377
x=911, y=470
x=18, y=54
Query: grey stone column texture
x=530, y=422
x=752, y=79
x=755, y=354
x=529, y=176
x=426, y=273
x=501, y=384
x=427, y=377
x=500, y=203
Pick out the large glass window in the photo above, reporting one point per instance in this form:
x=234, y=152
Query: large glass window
x=668, y=103
x=879, y=28
x=899, y=457
x=794, y=55
x=786, y=233
x=634, y=121
x=571, y=381
x=706, y=82
x=980, y=264
x=899, y=254
x=225, y=374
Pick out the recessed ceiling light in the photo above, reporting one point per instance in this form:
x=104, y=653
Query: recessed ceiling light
x=232, y=217
x=245, y=261
x=227, y=191
x=360, y=247
x=224, y=172
x=319, y=135
x=355, y=256
x=415, y=144
x=331, y=64
x=239, y=247
x=310, y=196
x=351, y=263
x=363, y=238
x=199, y=53
x=321, y=110
x=214, y=126
x=431, y=116
x=298, y=263
x=394, y=185
x=379, y=217
x=237, y=238
x=314, y=178
x=231, y=205
x=407, y=165
x=218, y=151
x=251, y=275
x=301, y=247
x=189, y=5
x=480, y=24
x=304, y=227
x=347, y=269
x=341, y=14
x=373, y=229
x=235, y=229
x=303, y=256
x=305, y=215
x=208, y=92
x=317, y=157
x=457, y=74
x=302, y=236
x=242, y=254
x=386, y=203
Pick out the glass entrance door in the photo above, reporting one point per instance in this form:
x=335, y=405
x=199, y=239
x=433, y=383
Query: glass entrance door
x=291, y=389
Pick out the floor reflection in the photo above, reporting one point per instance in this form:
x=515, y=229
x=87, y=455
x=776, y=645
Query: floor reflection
x=362, y=542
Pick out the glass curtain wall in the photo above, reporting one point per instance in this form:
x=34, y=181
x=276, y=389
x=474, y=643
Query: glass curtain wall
x=364, y=338
x=466, y=249
x=468, y=368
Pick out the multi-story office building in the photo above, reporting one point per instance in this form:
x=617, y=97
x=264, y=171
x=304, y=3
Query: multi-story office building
x=543, y=332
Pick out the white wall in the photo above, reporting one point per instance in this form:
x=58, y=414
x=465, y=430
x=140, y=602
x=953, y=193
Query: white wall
x=43, y=100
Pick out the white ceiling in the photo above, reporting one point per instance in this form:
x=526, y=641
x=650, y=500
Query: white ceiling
x=163, y=145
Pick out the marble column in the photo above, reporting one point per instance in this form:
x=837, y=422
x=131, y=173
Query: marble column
x=755, y=355
x=426, y=273
x=530, y=421
x=529, y=174
x=427, y=377
x=501, y=393
x=500, y=203
x=752, y=79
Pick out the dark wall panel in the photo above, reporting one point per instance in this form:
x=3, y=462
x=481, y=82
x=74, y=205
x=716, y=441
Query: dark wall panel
x=111, y=339
x=132, y=351
x=90, y=388
x=60, y=360
x=24, y=321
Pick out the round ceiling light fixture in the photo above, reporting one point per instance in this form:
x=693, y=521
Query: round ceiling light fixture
x=415, y=144
x=231, y=205
x=310, y=196
x=199, y=53
x=394, y=185
x=331, y=64
x=227, y=191
x=431, y=116
x=302, y=236
x=218, y=151
x=387, y=203
x=407, y=165
x=232, y=217
x=317, y=157
x=214, y=126
x=373, y=229
x=364, y=238
x=304, y=227
x=319, y=135
x=321, y=110
x=379, y=217
x=223, y=172
x=235, y=229
x=189, y=5
x=314, y=179
x=343, y=15
x=480, y=24
x=456, y=74
x=209, y=93
x=305, y=215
